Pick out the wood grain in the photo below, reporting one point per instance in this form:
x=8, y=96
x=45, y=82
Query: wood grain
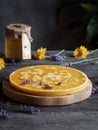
x=46, y=100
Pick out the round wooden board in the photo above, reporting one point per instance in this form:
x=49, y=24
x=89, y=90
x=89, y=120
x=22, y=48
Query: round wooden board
x=9, y=91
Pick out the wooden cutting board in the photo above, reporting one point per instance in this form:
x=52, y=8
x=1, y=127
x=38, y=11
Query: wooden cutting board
x=9, y=91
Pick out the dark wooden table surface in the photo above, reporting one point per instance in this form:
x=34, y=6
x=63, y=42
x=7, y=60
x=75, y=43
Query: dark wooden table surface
x=78, y=116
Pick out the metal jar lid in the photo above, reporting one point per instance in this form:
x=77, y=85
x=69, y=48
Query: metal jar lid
x=16, y=30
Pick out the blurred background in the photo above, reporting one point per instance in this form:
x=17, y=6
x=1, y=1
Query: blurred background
x=54, y=22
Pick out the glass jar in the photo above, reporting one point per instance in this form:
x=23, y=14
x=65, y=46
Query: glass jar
x=18, y=41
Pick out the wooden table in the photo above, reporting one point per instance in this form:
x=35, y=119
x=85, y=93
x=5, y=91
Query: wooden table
x=78, y=116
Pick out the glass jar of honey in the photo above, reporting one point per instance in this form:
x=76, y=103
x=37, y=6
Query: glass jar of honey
x=18, y=41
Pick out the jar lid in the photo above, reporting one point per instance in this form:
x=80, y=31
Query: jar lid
x=16, y=30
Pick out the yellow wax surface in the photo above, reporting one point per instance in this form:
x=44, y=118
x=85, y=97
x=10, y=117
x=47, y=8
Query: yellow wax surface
x=48, y=80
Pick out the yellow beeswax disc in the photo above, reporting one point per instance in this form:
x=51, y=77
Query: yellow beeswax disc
x=48, y=80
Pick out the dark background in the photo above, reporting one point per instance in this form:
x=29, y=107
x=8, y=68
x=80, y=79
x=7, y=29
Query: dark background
x=49, y=20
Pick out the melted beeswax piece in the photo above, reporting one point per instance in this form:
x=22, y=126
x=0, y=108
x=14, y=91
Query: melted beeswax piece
x=48, y=80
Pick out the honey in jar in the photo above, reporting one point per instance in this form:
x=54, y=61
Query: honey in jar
x=18, y=41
